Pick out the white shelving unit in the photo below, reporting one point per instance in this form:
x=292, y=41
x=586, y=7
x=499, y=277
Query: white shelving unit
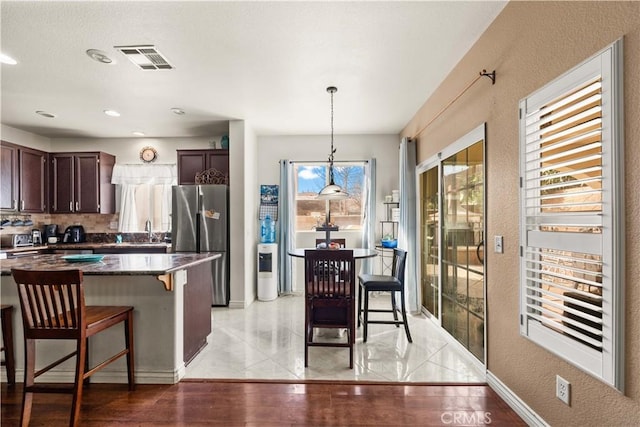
x=388, y=227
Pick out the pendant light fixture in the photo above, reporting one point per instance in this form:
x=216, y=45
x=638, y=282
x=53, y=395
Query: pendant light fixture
x=332, y=191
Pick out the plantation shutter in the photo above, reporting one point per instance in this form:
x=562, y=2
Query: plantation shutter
x=570, y=203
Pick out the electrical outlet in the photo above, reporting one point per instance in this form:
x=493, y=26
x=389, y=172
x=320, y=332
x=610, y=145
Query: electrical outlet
x=563, y=390
x=497, y=244
x=113, y=225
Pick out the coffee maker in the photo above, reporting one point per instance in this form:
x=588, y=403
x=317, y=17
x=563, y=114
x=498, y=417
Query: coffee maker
x=36, y=237
x=50, y=231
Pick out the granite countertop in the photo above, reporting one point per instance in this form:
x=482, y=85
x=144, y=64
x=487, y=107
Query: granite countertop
x=77, y=246
x=90, y=245
x=127, y=264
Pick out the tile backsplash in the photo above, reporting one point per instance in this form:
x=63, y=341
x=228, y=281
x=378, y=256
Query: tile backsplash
x=97, y=227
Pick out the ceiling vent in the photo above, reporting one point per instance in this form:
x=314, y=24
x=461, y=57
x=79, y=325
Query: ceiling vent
x=146, y=57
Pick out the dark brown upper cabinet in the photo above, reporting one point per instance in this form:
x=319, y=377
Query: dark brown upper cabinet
x=190, y=162
x=23, y=179
x=81, y=183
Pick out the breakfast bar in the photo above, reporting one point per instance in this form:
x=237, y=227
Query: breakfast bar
x=171, y=296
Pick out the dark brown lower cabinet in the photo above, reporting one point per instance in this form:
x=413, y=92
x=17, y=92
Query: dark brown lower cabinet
x=197, y=309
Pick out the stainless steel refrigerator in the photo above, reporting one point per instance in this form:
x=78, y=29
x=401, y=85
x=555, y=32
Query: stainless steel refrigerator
x=200, y=223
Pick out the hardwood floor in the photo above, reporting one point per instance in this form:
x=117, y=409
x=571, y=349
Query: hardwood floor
x=235, y=403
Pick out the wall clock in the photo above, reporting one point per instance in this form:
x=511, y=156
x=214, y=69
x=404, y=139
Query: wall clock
x=148, y=154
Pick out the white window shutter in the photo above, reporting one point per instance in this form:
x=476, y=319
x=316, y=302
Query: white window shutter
x=571, y=213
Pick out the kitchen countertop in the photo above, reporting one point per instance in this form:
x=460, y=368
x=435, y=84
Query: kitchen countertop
x=77, y=246
x=127, y=264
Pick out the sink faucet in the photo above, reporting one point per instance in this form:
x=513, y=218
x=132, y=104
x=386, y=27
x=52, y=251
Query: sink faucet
x=147, y=228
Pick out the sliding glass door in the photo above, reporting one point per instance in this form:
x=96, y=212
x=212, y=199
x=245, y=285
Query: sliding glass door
x=430, y=232
x=452, y=225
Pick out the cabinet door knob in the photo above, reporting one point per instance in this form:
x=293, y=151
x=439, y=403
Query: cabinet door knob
x=70, y=206
x=22, y=204
x=14, y=204
x=77, y=206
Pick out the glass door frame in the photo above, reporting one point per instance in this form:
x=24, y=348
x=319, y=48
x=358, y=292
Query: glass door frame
x=474, y=136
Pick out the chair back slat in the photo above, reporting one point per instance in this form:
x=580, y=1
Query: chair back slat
x=329, y=273
x=52, y=302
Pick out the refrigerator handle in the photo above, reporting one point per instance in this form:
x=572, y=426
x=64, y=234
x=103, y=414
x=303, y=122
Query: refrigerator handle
x=199, y=207
x=198, y=221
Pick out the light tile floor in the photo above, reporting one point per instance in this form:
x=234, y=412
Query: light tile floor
x=266, y=341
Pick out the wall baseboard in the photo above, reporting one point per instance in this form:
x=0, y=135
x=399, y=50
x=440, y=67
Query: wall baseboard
x=517, y=404
x=110, y=377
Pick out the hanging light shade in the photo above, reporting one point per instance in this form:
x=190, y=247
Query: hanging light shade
x=332, y=191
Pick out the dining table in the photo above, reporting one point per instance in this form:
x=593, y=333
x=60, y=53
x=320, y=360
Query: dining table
x=358, y=253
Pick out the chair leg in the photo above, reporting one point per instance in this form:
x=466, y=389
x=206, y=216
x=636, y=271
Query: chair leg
x=361, y=290
x=7, y=343
x=351, y=338
x=81, y=357
x=366, y=316
x=394, y=308
x=29, y=378
x=86, y=362
x=128, y=335
x=404, y=317
x=306, y=336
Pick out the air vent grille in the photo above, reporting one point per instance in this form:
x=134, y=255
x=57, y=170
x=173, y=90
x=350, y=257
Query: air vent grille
x=146, y=57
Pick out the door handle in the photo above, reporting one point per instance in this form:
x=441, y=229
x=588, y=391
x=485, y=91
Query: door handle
x=481, y=259
x=70, y=206
x=22, y=204
x=77, y=206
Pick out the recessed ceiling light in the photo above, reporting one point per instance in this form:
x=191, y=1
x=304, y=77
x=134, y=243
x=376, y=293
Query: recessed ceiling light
x=6, y=59
x=178, y=111
x=138, y=133
x=100, y=56
x=112, y=113
x=45, y=114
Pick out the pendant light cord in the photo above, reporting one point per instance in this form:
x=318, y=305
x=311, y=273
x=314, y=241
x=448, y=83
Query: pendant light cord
x=331, y=90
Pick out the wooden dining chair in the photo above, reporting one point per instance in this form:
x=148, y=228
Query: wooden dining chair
x=7, y=343
x=329, y=297
x=53, y=308
x=382, y=283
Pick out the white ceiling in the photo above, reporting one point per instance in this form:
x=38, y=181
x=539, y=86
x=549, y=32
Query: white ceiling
x=268, y=63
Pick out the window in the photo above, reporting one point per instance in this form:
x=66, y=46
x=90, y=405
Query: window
x=571, y=268
x=145, y=194
x=311, y=178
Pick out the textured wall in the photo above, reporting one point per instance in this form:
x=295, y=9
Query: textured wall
x=530, y=44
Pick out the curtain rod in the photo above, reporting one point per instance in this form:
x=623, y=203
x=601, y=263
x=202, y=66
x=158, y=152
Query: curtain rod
x=483, y=73
x=323, y=161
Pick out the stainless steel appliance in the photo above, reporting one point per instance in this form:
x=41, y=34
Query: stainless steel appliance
x=36, y=237
x=200, y=223
x=74, y=234
x=22, y=240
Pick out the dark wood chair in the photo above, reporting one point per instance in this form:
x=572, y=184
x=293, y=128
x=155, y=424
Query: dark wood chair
x=384, y=283
x=329, y=297
x=7, y=343
x=53, y=308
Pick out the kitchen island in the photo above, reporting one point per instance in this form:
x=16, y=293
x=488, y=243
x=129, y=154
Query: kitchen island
x=171, y=296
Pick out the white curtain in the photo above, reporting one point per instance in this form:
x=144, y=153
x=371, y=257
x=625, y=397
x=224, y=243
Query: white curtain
x=407, y=229
x=131, y=176
x=128, y=221
x=368, y=213
x=286, y=218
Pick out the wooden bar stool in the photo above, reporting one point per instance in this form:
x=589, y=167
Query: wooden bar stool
x=53, y=308
x=7, y=343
